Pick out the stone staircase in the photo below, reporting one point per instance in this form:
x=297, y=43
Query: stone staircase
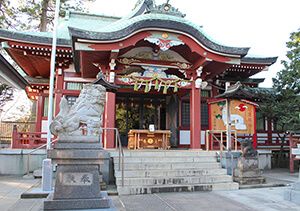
x=154, y=171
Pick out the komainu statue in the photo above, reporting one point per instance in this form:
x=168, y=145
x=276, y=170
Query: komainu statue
x=84, y=118
x=247, y=148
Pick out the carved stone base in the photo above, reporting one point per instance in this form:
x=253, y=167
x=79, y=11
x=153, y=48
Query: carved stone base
x=247, y=172
x=78, y=177
x=103, y=202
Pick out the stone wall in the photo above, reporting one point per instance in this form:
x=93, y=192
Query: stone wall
x=14, y=161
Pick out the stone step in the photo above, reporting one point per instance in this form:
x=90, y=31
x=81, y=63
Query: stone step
x=163, y=153
x=166, y=159
x=174, y=180
x=171, y=173
x=168, y=166
x=135, y=190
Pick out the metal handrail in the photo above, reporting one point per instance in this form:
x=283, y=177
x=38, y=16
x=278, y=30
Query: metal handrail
x=121, y=151
x=34, y=150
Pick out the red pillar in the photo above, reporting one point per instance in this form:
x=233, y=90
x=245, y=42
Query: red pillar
x=195, y=117
x=255, y=131
x=109, y=119
x=39, y=113
x=15, y=142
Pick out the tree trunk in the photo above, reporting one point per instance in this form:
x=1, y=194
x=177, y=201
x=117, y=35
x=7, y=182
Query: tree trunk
x=281, y=152
x=43, y=20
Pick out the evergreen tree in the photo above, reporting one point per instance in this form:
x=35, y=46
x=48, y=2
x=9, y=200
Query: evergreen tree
x=7, y=20
x=288, y=79
x=8, y=15
x=282, y=106
x=6, y=94
x=40, y=13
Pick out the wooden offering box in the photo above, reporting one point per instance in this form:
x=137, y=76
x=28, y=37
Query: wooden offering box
x=145, y=139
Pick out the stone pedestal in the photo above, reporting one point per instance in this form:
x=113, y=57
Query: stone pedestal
x=78, y=177
x=247, y=171
x=229, y=161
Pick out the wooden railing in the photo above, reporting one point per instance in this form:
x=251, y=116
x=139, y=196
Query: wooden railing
x=6, y=129
x=271, y=141
x=27, y=140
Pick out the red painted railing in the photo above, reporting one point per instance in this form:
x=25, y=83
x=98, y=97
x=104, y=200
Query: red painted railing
x=272, y=141
x=27, y=140
x=294, y=139
x=263, y=141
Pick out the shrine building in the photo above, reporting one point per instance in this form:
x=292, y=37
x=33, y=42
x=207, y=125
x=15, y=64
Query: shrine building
x=168, y=72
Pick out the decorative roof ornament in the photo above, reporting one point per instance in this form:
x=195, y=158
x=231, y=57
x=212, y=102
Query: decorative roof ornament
x=164, y=41
x=165, y=8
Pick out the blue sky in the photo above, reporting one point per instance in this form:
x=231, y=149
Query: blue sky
x=263, y=25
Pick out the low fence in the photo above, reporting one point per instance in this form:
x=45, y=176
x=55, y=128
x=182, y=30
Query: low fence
x=263, y=140
x=272, y=141
x=27, y=140
x=6, y=129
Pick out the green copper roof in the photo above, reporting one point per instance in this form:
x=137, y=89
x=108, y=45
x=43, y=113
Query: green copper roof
x=102, y=23
x=84, y=21
x=72, y=19
x=100, y=27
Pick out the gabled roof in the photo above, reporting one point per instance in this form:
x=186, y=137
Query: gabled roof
x=147, y=15
x=105, y=28
x=240, y=91
x=102, y=81
x=124, y=27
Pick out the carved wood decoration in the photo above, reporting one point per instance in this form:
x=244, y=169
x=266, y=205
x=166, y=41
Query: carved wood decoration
x=164, y=40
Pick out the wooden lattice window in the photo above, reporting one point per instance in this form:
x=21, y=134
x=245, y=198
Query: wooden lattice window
x=185, y=113
x=74, y=86
x=204, y=114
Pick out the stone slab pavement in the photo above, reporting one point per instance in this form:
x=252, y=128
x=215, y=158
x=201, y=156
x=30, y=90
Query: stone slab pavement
x=260, y=199
x=11, y=188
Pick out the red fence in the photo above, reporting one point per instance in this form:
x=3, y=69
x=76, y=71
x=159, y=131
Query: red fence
x=27, y=140
x=263, y=141
x=6, y=129
x=272, y=141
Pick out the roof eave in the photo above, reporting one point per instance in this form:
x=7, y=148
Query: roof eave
x=11, y=74
x=259, y=60
x=33, y=39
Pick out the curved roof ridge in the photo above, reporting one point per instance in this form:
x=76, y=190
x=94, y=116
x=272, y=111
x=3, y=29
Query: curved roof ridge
x=124, y=27
x=100, y=15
